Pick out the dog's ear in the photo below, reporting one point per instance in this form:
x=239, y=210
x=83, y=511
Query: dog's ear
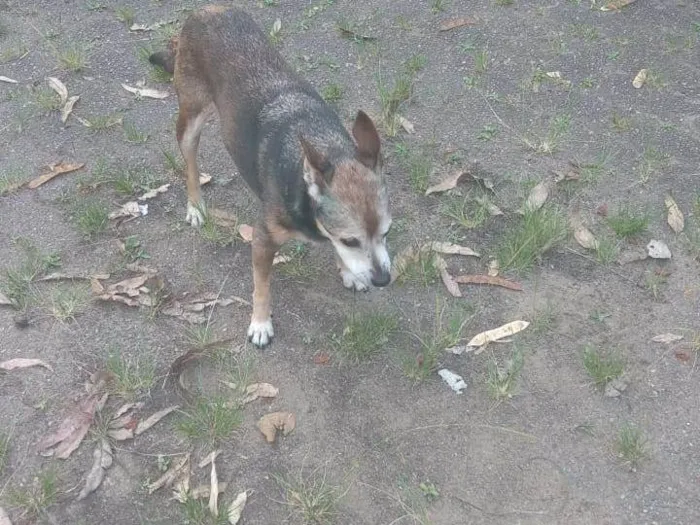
x=367, y=139
x=315, y=167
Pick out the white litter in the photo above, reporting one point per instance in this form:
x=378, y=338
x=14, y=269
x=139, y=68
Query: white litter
x=454, y=381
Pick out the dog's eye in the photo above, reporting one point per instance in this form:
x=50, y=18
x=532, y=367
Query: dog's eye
x=352, y=242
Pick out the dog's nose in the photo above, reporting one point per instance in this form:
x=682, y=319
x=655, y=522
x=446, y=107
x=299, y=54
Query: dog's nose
x=381, y=278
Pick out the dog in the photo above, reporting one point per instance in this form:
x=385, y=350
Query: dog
x=314, y=181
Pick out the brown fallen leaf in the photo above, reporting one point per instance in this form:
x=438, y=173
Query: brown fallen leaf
x=602, y=210
x=406, y=124
x=154, y=192
x=257, y=390
x=666, y=338
x=446, y=277
x=102, y=460
x=448, y=248
x=640, y=79
x=152, y=420
x=537, y=197
x=506, y=330
x=281, y=259
x=203, y=491
x=172, y=474
x=21, y=362
x=675, y=215
x=682, y=355
x=54, y=170
x=614, y=5
x=209, y=458
x=322, y=358
x=246, y=232
x=67, y=108
x=447, y=184
x=454, y=23
x=236, y=508
x=59, y=87
x=493, y=210
x=146, y=92
x=489, y=279
x=269, y=424
x=585, y=238
x=72, y=429
x=131, y=291
x=204, y=178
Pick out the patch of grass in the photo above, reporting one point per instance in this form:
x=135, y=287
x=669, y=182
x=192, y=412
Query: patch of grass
x=364, y=335
x=134, y=181
x=74, y=57
x=46, y=99
x=209, y=420
x=131, y=378
x=654, y=281
x=429, y=490
x=125, y=15
x=66, y=301
x=332, y=93
x=421, y=269
x=392, y=97
x=593, y=170
x=173, y=162
x=588, y=83
x=4, y=450
x=311, y=497
x=465, y=210
x=524, y=243
x=626, y=222
x=488, y=132
x=608, y=249
x=133, y=135
x=299, y=266
x=95, y=5
x=602, y=366
x=446, y=332
x=631, y=446
x=11, y=180
x=33, y=500
x=501, y=379
x=543, y=319
x=656, y=79
x=585, y=31
x=558, y=128
x=13, y=51
x=620, y=123
x=17, y=282
x=221, y=233
x=196, y=512
x=652, y=162
x=418, y=163
x=438, y=6
x=132, y=250
x=91, y=217
x=199, y=336
x=103, y=123
x=481, y=61
x=415, y=64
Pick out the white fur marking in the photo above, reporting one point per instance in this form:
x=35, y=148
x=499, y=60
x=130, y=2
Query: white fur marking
x=260, y=334
x=353, y=282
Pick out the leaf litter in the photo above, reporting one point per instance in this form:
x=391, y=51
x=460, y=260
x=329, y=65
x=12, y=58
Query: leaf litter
x=666, y=338
x=492, y=280
x=454, y=23
x=675, y=215
x=144, y=92
x=454, y=381
x=20, y=362
x=67, y=102
x=453, y=180
x=269, y=424
x=235, y=510
x=54, y=170
x=496, y=334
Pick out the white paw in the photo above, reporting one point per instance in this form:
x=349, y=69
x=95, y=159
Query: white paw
x=195, y=215
x=353, y=282
x=260, y=333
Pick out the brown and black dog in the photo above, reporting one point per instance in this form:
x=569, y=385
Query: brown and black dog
x=314, y=181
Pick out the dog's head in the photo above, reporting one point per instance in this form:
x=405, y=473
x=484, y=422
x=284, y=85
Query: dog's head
x=352, y=210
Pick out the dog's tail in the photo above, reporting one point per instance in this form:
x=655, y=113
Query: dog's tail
x=166, y=59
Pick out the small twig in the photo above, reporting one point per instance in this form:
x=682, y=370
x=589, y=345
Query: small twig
x=591, y=259
x=505, y=513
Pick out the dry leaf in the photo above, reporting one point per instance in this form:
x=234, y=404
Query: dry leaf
x=72, y=429
x=67, y=108
x=214, y=491
x=498, y=333
x=21, y=362
x=448, y=248
x=538, y=196
x=54, y=170
x=454, y=23
x=59, y=87
x=489, y=279
x=58, y=276
x=155, y=192
x=322, y=358
x=147, y=27
x=658, y=250
x=4, y=518
x=640, y=79
x=152, y=420
x=121, y=434
x=447, y=184
x=246, y=232
x=682, y=355
x=494, y=267
x=102, y=460
x=271, y=423
x=406, y=124
x=493, y=210
x=446, y=277
x=281, y=259
x=4, y=301
x=173, y=473
x=614, y=5
x=9, y=81
x=146, y=92
x=112, y=121
x=257, y=390
x=666, y=338
x=130, y=209
x=236, y=508
x=129, y=291
x=204, y=178
x=585, y=238
x=209, y=458
x=675, y=215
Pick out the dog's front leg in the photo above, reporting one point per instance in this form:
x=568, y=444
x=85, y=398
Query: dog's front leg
x=260, y=331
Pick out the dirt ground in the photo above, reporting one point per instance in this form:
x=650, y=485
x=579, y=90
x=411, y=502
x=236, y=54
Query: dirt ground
x=379, y=439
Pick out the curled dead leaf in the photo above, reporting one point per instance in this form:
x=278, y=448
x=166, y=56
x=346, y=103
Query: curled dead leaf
x=4, y=301
x=181, y=465
x=130, y=209
x=143, y=426
x=446, y=277
x=154, y=192
x=236, y=508
x=209, y=458
x=21, y=362
x=67, y=108
x=214, y=491
x=675, y=215
x=448, y=248
x=640, y=79
x=146, y=92
x=204, y=178
x=585, y=238
x=447, y=184
x=102, y=460
x=454, y=23
x=489, y=279
x=537, y=197
x=257, y=390
x=246, y=232
x=494, y=268
x=322, y=358
x=406, y=125
x=55, y=169
x=501, y=332
x=269, y=424
x=72, y=429
x=666, y=338
x=59, y=87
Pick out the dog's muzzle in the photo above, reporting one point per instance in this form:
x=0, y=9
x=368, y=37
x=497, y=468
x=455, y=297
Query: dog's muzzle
x=380, y=278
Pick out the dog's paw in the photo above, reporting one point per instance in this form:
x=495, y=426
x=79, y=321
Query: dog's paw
x=353, y=282
x=195, y=215
x=260, y=333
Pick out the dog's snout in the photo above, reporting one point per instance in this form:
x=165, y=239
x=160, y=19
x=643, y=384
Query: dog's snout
x=380, y=278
